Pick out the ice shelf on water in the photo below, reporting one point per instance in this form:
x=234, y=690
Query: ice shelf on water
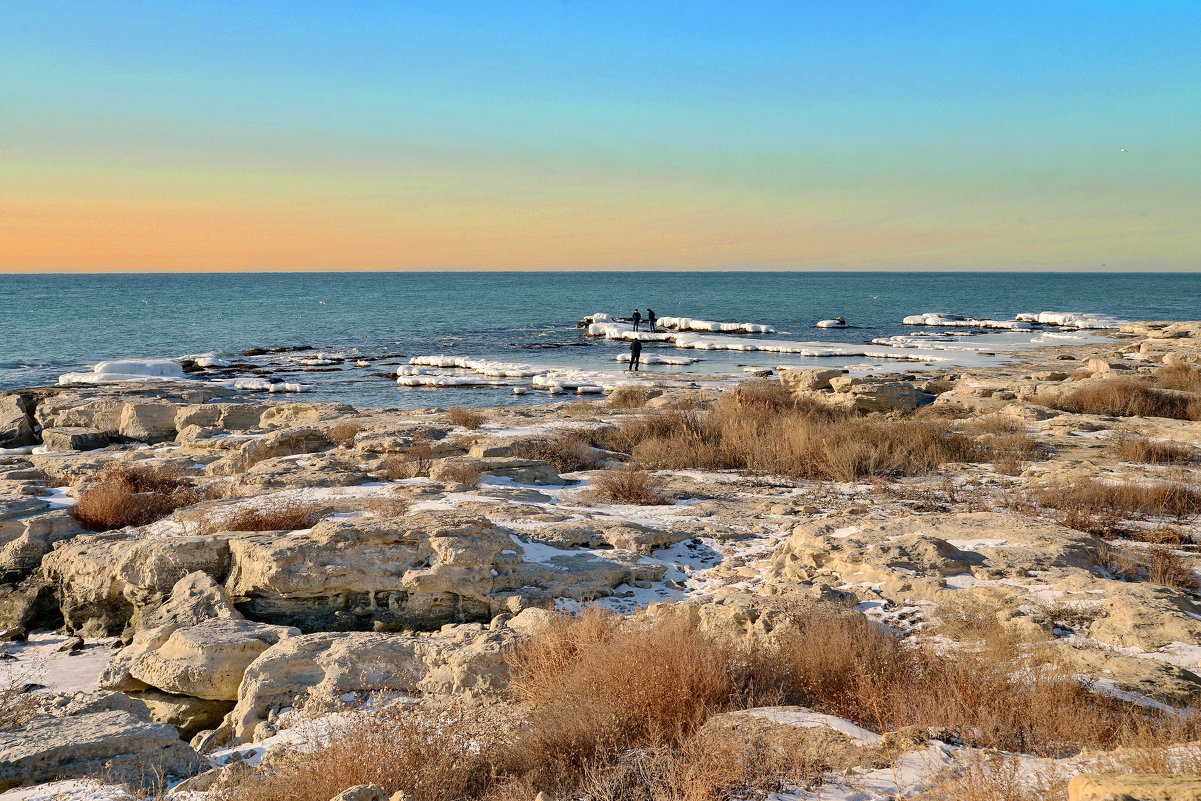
x=1021, y=322
x=689, y=324
x=127, y=370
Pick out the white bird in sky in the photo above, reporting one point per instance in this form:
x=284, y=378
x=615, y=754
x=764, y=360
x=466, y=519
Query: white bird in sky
x=1123, y=150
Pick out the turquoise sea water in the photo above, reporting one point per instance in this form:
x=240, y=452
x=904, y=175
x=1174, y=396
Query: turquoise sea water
x=52, y=324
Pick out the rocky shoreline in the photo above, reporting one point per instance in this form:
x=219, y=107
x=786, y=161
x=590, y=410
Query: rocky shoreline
x=250, y=564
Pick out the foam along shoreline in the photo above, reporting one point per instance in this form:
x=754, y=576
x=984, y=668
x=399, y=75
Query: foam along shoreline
x=159, y=370
x=1021, y=322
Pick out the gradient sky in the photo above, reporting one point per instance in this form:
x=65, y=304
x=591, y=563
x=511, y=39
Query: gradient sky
x=299, y=135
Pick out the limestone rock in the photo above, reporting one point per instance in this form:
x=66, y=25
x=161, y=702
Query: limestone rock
x=606, y=534
x=284, y=442
x=362, y=792
x=126, y=748
x=1147, y=617
x=207, y=660
x=16, y=426
x=463, y=661
x=149, y=421
x=74, y=438
x=522, y=471
x=304, y=414
x=22, y=554
x=1134, y=787
x=223, y=416
x=807, y=380
x=194, y=599
x=187, y=714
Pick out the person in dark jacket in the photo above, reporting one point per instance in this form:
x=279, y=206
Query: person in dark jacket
x=636, y=318
x=635, y=354
x=650, y=320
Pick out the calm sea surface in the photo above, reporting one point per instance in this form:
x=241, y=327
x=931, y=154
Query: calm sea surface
x=52, y=324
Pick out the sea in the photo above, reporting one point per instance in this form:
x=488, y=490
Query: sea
x=367, y=325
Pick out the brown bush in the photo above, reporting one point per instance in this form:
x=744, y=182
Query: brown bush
x=386, y=507
x=1103, y=508
x=764, y=437
x=1154, y=563
x=413, y=462
x=1183, y=377
x=993, y=424
x=568, y=452
x=131, y=495
x=461, y=472
x=467, y=418
x=1131, y=448
x=343, y=434
x=628, y=397
x=1127, y=397
x=277, y=516
x=628, y=485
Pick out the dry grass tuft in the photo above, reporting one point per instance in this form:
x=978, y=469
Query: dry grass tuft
x=130, y=495
x=386, y=507
x=413, y=462
x=1156, y=564
x=1131, y=448
x=343, y=434
x=17, y=703
x=1127, y=397
x=628, y=397
x=1183, y=377
x=759, y=427
x=467, y=418
x=461, y=472
x=278, y=516
x=629, y=485
x=1104, y=509
x=568, y=452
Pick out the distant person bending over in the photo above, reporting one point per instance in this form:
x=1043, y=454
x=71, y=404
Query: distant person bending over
x=635, y=354
x=636, y=318
x=650, y=320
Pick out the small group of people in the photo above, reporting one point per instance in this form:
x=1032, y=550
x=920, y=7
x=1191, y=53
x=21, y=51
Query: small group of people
x=635, y=344
x=636, y=318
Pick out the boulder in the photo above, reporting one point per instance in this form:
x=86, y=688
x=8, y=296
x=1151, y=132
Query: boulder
x=463, y=661
x=1134, y=787
x=187, y=714
x=194, y=599
x=74, y=438
x=807, y=380
x=362, y=792
x=601, y=533
x=206, y=660
x=22, y=554
x=868, y=395
x=126, y=748
x=147, y=421
x=284, y=442
x=16, y=425
x=1146, y=617
x=222, y=416
x=304, y=414
x=521, y=471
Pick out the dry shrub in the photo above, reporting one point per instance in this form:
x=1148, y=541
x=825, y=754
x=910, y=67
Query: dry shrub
x=467, y=418
x=386, y=507
x=1183, y=377
x=568, y=452
x=343, y=434
x=413, y=462
x=1154, y=563
x=800, y=443
x=276, y=516
x=993, y=424
x=937, y=386
x=435, y=757
x=597, y=684
x=17, y=703
x=1131, y=448
x=130, y=495
x=628, y=485
x=1127, y=397
x=461, y=472
x=1103, y=508
x=628, y=397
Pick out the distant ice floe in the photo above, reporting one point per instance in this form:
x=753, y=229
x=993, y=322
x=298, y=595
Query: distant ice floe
x=835, y=322
x=654, y=358
x=1021, y=322
x=128, y=370
x=263, y=385
x=689, y=324
x=479, y=372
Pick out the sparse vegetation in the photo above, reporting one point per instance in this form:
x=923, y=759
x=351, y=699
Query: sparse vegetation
x=413, y=462
x=568, y=452
x=343, y=434
x=1131, y=448
x=1157, y=564
x=126, y=494
x=1104, y=508
x=278, y=516
x=1127, y=397
x=467, y=418
x=628, y=397
x=460, y=472
x=1182, y=377
x=629, y=485
x=761, y=428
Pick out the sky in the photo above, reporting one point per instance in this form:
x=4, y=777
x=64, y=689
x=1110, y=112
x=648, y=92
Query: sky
x=896, y=134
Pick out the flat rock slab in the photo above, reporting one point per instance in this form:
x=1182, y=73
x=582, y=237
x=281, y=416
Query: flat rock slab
x=124, y=747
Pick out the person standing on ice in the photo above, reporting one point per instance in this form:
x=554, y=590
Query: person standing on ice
x=636, y=318
x=635, y=353
x=650, y=320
